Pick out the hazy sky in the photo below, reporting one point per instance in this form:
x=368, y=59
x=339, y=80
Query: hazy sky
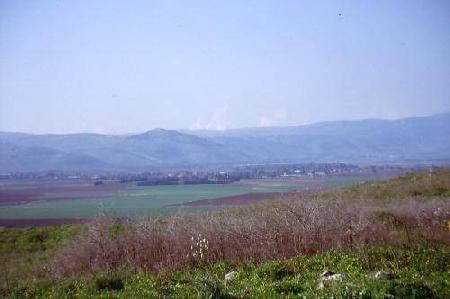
x=130, y=66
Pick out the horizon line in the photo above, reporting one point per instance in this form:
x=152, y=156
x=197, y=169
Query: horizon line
x=228, y=129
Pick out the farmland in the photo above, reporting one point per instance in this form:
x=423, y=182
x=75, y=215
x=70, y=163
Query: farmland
x=84, y=200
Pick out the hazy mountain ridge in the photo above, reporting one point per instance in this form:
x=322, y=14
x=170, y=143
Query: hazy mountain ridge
x=366, y=141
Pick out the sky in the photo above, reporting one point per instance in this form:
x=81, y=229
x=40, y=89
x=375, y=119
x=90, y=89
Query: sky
x=130, y=66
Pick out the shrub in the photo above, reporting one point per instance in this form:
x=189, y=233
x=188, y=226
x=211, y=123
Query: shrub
x=266, y=231
x=252, y=234
x=108, y=283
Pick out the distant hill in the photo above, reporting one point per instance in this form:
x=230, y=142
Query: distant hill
x=409, y=140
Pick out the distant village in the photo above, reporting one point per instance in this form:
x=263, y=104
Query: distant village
x=214, y=176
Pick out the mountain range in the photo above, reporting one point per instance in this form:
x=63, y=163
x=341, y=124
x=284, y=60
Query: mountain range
x=370, y=141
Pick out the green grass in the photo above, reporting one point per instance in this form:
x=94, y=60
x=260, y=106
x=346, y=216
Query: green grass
x=33, y=239
x=424, y=184
x=421, y=272
x=24, y=251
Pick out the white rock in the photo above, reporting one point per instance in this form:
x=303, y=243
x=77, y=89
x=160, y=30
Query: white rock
x=327, y=273
x=230, y=275
x=337, y=276
x=329, y=276
x=383, y=275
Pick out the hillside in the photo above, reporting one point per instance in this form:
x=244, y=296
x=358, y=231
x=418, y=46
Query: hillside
x=410, y=140
x=276, y=249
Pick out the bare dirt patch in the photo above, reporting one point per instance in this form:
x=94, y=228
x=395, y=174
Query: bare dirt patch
x=16, y=193
x=39, y=222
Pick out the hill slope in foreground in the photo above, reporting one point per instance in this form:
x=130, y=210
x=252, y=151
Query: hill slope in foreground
x=408, y=140
x=276, y=249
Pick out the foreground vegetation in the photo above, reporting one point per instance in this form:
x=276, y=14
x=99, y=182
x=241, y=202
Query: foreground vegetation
x=278, y=249
x=419, y=271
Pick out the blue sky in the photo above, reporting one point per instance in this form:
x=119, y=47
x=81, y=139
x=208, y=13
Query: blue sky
x=130, y=66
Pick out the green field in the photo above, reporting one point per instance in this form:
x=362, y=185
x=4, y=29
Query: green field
x=131, y=201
